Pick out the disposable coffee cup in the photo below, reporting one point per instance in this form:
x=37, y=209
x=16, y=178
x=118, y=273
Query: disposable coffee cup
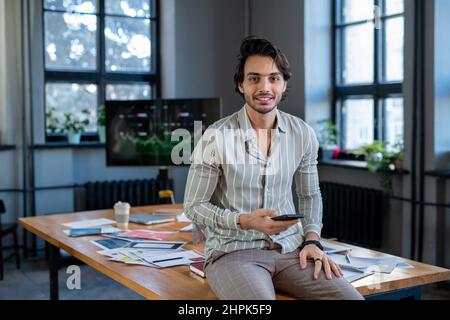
x=122, y=214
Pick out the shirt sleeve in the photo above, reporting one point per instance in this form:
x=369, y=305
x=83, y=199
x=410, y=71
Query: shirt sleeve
x=202, y=180
x=307, y=185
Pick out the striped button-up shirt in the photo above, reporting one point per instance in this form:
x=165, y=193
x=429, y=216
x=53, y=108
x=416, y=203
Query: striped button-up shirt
x=230, y=176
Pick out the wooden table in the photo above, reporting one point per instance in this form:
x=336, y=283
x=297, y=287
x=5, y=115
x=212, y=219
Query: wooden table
x=179, y=282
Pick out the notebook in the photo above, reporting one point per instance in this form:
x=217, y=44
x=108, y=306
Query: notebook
x=198, y=268
x=149, y=218
x=84, y=232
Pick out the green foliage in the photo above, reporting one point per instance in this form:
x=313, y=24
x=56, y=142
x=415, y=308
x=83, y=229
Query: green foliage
x=53, y=123
x=70, y=123
x=384, y=159
x=75, y=125
x=380, y=156
x=101, y=119
x=328, y=133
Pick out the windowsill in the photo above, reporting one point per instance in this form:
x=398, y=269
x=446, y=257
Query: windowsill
x=353, y=164
x=6, y=147
x=65, y=145
x=445, y=174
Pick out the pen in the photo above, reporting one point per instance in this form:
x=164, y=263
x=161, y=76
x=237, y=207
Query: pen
x=162, y=260
x=350, y=268
x=347, y=257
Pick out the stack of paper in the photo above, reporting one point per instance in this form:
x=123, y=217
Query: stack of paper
x=89, y=223
x=115, y=243
x=153, y=258
x=357, y=267
x=138, y=235
x=329, y=247
x=128, y=256
x=172, y=259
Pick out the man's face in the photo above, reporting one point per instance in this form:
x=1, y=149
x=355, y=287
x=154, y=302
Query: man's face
x=263, y=85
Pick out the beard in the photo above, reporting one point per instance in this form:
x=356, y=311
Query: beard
x=262, y=109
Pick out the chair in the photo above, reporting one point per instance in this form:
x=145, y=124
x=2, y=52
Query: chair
x=4, y=231
x=165, y=196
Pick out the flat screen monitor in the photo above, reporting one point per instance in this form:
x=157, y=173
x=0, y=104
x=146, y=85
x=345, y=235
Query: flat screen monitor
x=140, y=133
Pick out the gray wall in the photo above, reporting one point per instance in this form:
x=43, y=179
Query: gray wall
x=441, y=94
x=282, y=22
x=11, y=105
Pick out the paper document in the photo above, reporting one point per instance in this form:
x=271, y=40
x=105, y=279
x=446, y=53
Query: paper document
x=188, y=228
x=174, y=259
x=157, y=245
x=329, y=247
x=351, y=276
x=182, y=218
x=88, y=223
x=383, y=265
x=377, y=264
x=145, y=234
x=106, y=244
x=129, y=256
x=404, y=265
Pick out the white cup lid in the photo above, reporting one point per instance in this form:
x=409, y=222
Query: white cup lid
x=122, y=205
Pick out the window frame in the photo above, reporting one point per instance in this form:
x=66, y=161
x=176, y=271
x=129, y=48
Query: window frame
x=100, y=76
x=379, y=89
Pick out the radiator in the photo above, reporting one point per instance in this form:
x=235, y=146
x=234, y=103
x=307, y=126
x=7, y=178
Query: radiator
x=352, y=214
x=103, y=194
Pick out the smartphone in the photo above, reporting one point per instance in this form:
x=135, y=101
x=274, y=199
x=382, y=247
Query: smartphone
x=285, y=217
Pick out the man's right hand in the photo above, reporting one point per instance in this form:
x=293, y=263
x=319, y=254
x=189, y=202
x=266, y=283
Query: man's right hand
x=259, y=220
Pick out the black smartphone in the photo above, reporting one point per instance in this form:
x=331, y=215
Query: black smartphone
x=285, y=217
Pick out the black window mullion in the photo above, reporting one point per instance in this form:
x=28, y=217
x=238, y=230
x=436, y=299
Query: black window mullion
x=156, y=51
x=383, y=119
x=334, y=64
x=376, y=73
x=101, y=54
x=55, y=76
x=129, y=77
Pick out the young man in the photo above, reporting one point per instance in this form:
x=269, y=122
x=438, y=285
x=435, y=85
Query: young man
x=241, y=176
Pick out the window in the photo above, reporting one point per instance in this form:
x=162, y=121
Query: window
x=368, y=71
x=97, y=50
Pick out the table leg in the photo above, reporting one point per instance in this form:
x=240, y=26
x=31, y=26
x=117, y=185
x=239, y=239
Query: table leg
x=53, y=272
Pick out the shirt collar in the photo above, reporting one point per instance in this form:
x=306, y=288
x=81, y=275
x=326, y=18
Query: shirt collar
x=245, y=124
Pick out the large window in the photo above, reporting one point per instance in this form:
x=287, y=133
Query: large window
x=368, y=42
x=97, y=50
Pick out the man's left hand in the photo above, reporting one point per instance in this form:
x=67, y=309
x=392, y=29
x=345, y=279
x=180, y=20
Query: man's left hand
x=321, y=261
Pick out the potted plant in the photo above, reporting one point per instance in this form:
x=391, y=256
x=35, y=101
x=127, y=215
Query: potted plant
x=383, y=159
x=101, y=123
x=327, y=136
x=74, y=127
x=52, y=122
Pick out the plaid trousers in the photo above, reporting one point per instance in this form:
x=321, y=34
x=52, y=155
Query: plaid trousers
x=255, y=275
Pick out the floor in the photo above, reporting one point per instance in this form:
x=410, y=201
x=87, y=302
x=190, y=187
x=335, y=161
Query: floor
x=31, y=282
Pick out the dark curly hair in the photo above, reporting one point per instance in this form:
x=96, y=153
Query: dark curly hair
x=253, y=45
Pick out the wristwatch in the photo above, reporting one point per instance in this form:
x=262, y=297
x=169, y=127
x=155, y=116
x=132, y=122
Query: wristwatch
x=315, y=242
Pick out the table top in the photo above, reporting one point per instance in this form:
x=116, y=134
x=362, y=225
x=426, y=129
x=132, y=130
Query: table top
x=178, y=283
